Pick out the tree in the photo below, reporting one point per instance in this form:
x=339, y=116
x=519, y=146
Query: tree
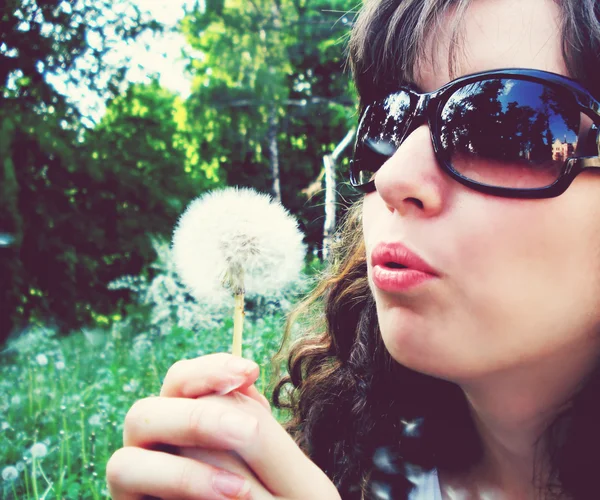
x=271, y=94
x=44, y=174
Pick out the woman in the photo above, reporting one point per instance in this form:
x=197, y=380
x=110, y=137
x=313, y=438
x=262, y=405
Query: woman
x=457, y=357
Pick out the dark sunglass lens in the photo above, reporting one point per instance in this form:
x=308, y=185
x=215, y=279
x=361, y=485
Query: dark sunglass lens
x=510, y=133
x=379, y=134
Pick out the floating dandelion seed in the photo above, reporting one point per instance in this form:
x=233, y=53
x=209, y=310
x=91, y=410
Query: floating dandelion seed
x=412, y=428
x=237, y=241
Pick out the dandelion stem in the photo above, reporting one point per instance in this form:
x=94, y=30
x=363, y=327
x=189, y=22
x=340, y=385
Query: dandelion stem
x=66, y=440
x=238, y=324
x=60, y=481
x=26, y=477
x=82, y=424
x=34, y=479
x=30, y=394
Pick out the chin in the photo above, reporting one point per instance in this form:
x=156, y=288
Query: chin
x=424, y=353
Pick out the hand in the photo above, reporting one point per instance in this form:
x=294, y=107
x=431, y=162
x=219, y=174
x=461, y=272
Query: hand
x=264, y=455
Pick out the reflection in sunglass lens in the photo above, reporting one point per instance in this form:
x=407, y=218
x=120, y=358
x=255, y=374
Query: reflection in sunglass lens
x=510, y=133
x=379, y=134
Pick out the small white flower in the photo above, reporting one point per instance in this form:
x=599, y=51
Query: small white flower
x=38, y=450
x=20, y=466
x=15, y=400
x=10, y=473
x=60, y=365
x=94, y=419
x=240, y=239
x=131, y=386
x=42, y=359
x=5, y=425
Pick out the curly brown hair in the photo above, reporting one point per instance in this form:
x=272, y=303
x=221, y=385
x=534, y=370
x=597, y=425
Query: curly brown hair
x=366, y=420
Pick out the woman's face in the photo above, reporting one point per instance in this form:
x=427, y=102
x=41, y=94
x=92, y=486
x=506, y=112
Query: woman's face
x=519, y=280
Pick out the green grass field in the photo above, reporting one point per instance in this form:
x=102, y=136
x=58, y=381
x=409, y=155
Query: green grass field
x=65, y=399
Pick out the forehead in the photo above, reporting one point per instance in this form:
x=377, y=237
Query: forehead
x=494, y=34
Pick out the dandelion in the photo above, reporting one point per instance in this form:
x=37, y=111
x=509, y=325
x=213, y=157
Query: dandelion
x=41, y=359
x=15, y=400
x=20, y=466
x=5, y=425
x=59, y=365
x=10, y=473
x=38, y=450
x=237, y=241
x=131, y=386
x=94, y=420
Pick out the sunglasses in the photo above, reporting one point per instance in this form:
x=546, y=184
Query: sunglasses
x=516, y=133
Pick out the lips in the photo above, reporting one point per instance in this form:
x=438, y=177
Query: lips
x=397, y=256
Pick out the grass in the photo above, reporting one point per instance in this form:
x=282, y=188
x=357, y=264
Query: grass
x=68, y=396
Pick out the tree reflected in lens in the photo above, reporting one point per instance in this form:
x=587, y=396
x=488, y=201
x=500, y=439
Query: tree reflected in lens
x=510, y=133
x=379, y=134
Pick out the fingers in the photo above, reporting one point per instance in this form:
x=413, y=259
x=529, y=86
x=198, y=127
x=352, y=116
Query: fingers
x=205, y=422
x=231, y=462
x=233, y=422
x=215, y=373
x=133, y=473
x=254, y=393
x=276, y=459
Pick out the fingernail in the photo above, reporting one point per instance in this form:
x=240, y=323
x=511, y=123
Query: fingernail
x=230, y=384
x=241, y=365
x=229, y=485
x=239, y=426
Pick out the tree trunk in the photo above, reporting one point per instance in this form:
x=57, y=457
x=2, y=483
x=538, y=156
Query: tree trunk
x=330, y=192
x=274, y=152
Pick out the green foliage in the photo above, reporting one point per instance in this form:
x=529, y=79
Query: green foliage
x=81, y=202
x=70, y=396
x=255, y=56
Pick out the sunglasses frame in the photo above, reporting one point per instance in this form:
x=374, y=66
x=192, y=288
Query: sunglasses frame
x=427, y=107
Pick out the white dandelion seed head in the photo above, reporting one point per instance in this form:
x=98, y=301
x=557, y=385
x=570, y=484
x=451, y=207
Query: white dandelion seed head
x=10, y=473
x=237, y=238
x=38, y=450
x=95, y=420
x=15, y=400
x=20, y=466
x=60, y=365
x=41, y=359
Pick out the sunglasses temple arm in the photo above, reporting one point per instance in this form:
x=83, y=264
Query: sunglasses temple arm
x=587, y=162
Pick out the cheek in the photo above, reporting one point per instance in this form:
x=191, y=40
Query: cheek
x=372, y=210
x=522, y=281
x=530, y=267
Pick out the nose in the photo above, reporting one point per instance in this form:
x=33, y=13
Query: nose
x=411, y=179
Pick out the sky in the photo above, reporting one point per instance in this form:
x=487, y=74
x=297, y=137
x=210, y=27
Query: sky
x=150, y=54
